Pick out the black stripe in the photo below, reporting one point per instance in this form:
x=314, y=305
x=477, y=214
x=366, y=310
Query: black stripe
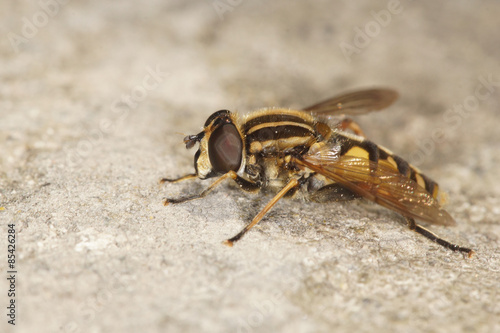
x=272, y=118
x=196, y=157
x=372, y=149
x=218, y=114
x=345, y=144
x=279, y=132
x=413, y=175
x=429, y=183
x=383, y=155
x=403, y=166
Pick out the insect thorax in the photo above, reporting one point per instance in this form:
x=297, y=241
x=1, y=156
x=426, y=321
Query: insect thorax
x=271, y=136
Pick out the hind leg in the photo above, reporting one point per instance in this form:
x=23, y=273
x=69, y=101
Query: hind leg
x=332, y=193
x=435, y=238
x=349, y=124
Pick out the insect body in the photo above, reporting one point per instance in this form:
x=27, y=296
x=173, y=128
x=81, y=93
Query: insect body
x=316, y=153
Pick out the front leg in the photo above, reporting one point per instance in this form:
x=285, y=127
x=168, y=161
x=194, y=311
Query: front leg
x=435, y=238
x=244, y=184
x=180, y=179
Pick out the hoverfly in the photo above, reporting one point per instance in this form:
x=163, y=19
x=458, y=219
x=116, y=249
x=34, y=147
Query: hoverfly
x=318, y=153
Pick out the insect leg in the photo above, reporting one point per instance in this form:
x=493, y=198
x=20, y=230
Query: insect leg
x=332, y=193
x=350, y=124
x=200, y=195
x=291, y=184
x=435, y=238
x=244, y=184
x=175, y=180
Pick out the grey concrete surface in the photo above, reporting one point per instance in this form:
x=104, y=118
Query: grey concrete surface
x=97, y=96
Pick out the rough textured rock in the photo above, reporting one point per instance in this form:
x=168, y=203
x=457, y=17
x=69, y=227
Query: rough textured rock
x=97, y=96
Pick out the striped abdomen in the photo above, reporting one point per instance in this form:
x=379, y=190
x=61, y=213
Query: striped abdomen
x=358, y=147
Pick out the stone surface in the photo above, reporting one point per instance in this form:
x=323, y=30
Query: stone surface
x=97, y=96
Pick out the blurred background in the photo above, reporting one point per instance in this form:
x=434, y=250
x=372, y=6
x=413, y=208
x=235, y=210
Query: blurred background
x=95, y=98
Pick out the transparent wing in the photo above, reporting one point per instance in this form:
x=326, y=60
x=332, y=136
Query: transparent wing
x=379, y=182
x=355, y=103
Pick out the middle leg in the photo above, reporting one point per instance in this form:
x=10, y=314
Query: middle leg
x=291, y=184
x=435, y=238
x=244, y=184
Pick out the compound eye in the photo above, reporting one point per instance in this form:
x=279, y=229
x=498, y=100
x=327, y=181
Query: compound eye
x=225, y=148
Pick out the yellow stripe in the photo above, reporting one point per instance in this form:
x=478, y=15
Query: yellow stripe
x=358, y=152
x=388, y=164
x=420, y=180
x=392, y=162
x=278, y=145
x=280, y=111
x=436, y=192
x=280, y=123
